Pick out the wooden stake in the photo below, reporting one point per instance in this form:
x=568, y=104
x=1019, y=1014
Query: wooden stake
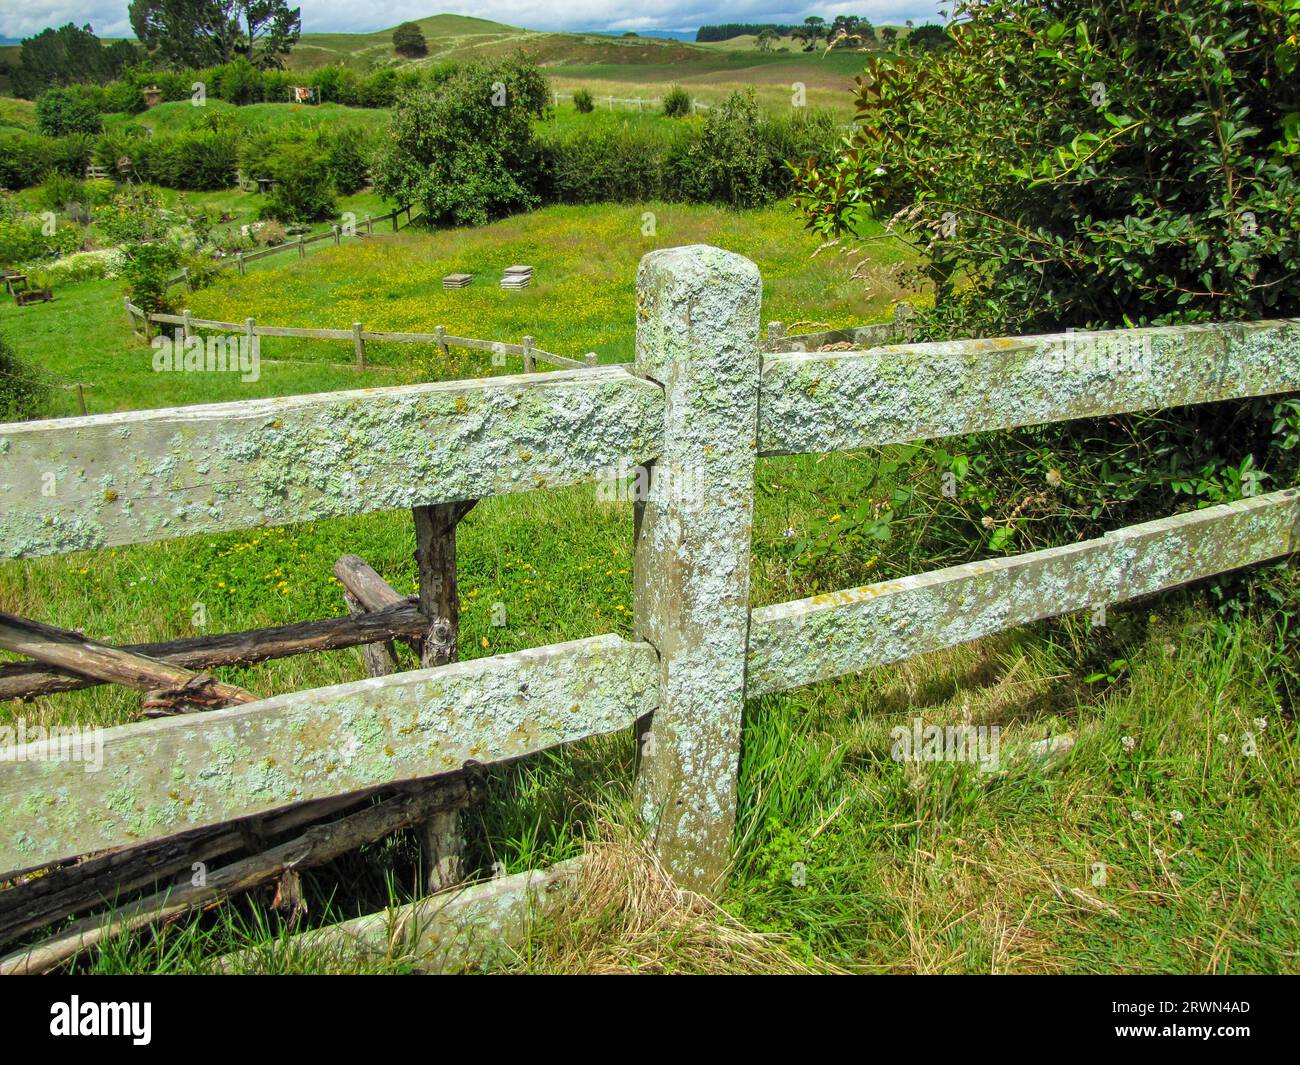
x=359, y=345
x=441, y=842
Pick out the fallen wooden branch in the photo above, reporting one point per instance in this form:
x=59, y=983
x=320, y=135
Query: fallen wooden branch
x=400, y=619
x=316, y=846
x=105, y=879
x=169, y=688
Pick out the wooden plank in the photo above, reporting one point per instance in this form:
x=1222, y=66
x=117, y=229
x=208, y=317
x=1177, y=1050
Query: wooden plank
x=403, y=618
x=174, y=774
x=834, y=401
x=828, y=635
x=137, y=476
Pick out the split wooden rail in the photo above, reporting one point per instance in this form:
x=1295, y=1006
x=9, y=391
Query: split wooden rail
x=142, y=325
x=702, y=403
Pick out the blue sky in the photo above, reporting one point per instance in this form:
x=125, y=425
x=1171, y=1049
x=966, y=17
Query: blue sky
x=22, y=18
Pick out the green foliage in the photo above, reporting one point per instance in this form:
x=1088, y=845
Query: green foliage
x=408, y=40
x=195, y=33
x=67, y=110
x=303, y=190
x=583, y=102
x=677, y=102
x=24, y=392
x=347, y=156
x=466, y=152
x=1086, y=165
x=26, y=158
x=728, y=163
x=135, y=215
x=66, y=56
x=146, y=268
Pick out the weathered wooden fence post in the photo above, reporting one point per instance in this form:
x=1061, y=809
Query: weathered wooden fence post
x=530, y=363
x=239, y=262
x=358, y=345
x=186, y=326
x=441, y=843
x=697, y=336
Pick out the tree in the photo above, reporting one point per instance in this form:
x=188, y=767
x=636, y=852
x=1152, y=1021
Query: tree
x=200, y=33
x=408, y=40
x=888, y=33
x=814, y=31
x=465, y=151
x=767, y=40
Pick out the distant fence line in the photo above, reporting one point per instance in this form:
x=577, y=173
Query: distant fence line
x=610, y=101
x=336, y=233
x=527, y=350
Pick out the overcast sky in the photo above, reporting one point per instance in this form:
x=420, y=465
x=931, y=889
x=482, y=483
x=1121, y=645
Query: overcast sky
x=22, y=18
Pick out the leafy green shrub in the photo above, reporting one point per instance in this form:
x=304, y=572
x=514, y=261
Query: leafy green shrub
x=67, y=110
x=347, y=156
x=146, y=268
x=237, y=82
x=59, y=190
x=26, y=158
x=24, y=392
x=134, y=215
x=303, y=189
x=466, y=152
x=677, y=102
x=583, y=102
x=1056, y=174
x=728, y=162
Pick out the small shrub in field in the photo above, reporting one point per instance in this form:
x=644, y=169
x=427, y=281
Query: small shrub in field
x=304, y=189
x=728, y=163
x=59, y=190
x=271, y=233
x=583, y=102
x=24, y=393
x=677, y=102
x=347, y=155
x=146, y=269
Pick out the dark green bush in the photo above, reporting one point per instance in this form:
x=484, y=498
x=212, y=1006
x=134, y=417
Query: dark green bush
x=303, y=189
x=146, y=268
x=347, y=156
x=26, y=158
x=677, y=102
x=728, y=162
x=583, y=102
x=74, y=109
x=24, y=391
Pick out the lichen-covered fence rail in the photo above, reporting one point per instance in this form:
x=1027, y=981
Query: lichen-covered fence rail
x=701, y=397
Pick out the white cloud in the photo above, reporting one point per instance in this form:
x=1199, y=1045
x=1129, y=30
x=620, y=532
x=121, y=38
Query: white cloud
x=22, y=18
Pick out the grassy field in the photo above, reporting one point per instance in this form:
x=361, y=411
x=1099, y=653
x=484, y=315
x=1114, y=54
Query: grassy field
x=1168, y=840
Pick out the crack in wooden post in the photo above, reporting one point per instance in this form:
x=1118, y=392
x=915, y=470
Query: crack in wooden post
x=698, y=337
x=441, y=843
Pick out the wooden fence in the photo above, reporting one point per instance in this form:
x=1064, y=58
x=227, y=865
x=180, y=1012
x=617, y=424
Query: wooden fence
x=142, y=324
x=240, y=260
x=701, y=402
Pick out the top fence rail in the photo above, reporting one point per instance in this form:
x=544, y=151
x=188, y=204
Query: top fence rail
x=73, y=484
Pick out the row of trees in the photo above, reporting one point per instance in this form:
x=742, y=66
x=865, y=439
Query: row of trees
x=178, y=34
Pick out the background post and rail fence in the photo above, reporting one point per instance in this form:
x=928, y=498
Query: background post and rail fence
x=702, y=403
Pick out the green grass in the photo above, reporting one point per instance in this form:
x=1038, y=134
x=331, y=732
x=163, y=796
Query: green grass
x=905, y=867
